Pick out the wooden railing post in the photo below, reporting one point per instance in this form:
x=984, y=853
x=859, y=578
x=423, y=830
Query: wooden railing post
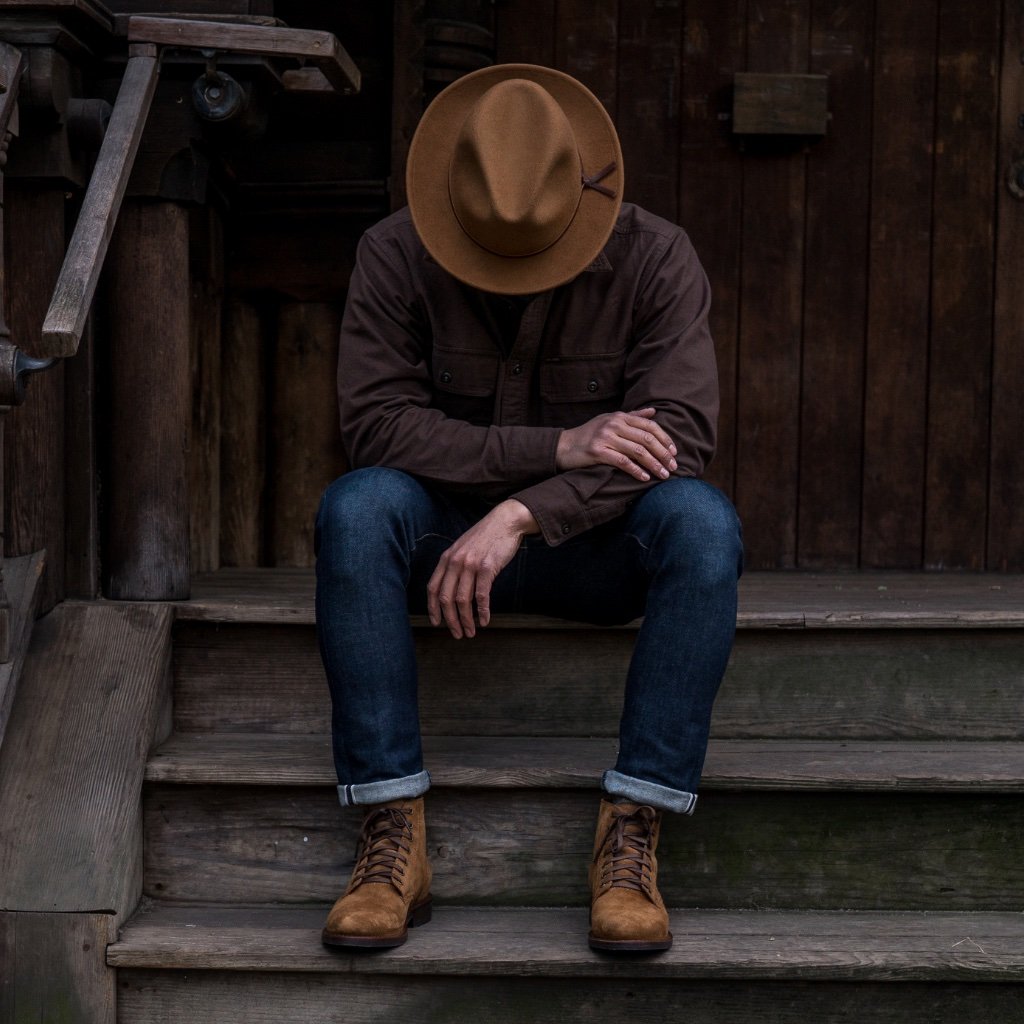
x=151, y=412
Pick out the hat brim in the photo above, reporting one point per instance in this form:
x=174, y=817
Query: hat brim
x=430, y=205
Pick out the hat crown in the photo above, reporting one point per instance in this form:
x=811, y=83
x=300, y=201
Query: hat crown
x=514, y=177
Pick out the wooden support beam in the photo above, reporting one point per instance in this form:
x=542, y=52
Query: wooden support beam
x=72, y=298
x=21, y=581
x=322, y=49
x=148, y=312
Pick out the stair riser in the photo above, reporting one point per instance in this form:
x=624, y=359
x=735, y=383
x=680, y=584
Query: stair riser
x=216, y=997
x=913, y=851
x=965, y=684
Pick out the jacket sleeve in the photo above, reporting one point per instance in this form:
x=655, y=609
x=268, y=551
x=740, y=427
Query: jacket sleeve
x=670, y=367
x=384, y=392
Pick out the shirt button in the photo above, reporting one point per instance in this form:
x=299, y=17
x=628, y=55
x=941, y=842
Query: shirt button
x=446, y=377
x=566, y=528
x=592, y=386
x=517, y=369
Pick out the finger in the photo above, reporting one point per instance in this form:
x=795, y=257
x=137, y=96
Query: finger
x=483, y=597
x=464, y=599
x=433, y=589
x=662, y=457
x=446, y=598
x=649, y=424
x=612, y=456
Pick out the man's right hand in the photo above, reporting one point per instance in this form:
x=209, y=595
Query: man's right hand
x=630, y=441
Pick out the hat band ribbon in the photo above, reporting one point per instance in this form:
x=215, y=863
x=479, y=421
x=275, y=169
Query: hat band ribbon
x=593, y=180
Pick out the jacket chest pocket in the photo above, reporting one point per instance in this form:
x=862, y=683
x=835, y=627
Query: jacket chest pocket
x=464, y=384
x=574, y=391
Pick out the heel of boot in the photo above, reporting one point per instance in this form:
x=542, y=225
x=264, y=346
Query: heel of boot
x=419, y=915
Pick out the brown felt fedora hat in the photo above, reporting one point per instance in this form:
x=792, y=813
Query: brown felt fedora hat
x=515, y=178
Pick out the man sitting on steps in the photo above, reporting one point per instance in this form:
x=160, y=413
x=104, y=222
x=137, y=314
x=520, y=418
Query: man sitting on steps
x=528, y=399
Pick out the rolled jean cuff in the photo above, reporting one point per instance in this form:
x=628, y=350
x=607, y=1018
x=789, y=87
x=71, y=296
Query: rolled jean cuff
x=640, y=792
x=362, y=793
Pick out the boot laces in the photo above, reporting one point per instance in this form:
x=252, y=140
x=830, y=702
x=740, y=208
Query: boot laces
x=627, y=851
x=382, y=853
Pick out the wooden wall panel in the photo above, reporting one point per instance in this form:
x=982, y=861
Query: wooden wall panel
x=771, y=307
x=959, y=398
x=899, y=279
x=525, y=32
x=650, y=52
x=1006, y=476
x=835, y=291
x=586, y=46
x=710, y=190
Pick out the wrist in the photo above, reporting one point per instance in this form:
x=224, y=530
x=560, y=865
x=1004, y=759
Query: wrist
x=518, y=516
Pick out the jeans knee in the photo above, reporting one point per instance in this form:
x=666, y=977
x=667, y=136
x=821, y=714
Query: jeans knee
x=697, y=531
x=364, y=503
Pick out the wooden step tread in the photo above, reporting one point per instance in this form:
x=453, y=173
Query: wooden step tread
x=864, y=946
x=767, y=599
x=266, y=759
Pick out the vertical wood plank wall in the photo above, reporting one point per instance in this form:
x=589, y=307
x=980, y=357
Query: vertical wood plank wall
x=867, y=309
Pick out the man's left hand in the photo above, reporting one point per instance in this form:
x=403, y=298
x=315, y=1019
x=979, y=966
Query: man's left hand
x=468, y=569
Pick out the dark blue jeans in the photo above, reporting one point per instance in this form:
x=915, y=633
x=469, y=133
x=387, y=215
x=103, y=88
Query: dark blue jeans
x=674, y=557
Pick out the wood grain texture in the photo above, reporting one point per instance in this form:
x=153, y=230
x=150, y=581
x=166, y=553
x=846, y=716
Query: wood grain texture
x=524, y=32
x=406, y=90
x=586, y=46
x=768, y=389
x=306, y=436
x=531, y=847
x=811, y=600
x=81, y=471
x=960, y=355
x=835, y=292
x=499, y=762
x=857, y=684
x=54, y=968
x=72, y=762
x=147, y=542
x=1006, y=473
x=216, y=997
x=72, y=297
x=899, y=279
x=539, y=943
x=22, y=583
x=710, y=192
x=647, y=106
x=243, y=454
x=34, y=439
x=206, y=273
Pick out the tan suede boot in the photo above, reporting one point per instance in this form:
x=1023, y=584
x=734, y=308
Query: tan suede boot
x=390, y=887
x=626, y=910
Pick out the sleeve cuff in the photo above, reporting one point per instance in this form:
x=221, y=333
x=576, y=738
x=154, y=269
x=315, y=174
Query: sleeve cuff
x=556, y=509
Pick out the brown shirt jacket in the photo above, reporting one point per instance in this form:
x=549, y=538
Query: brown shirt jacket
x=427, y=383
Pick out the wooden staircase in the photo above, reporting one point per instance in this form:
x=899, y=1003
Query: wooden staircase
x=855, y=853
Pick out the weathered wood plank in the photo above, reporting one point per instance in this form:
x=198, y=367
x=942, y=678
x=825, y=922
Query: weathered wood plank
x=960, y=355
x=539, y=943
x=648, y=86
x=72, y=763
x=54, y=968
x=499, y=762
x=810, y=600
x=206, y=258
x=306, y=434
x=243, y=435
x=1006, y=474
x=151, y=404
x=72, y=297
x=768, y=440
x=858, y=684
x=586, y=37
x=525, y=33
x=22, y=583
x=710, y=192
x=34, y=438
x=406, y=91
x=919, y=851
x=899, y=280
x=835, y=292
x=213, y=997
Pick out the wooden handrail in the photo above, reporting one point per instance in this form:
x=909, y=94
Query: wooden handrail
x=73, y=295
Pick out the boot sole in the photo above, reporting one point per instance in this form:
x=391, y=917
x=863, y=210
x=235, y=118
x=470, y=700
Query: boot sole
x=629, y=945
x=420, y=914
